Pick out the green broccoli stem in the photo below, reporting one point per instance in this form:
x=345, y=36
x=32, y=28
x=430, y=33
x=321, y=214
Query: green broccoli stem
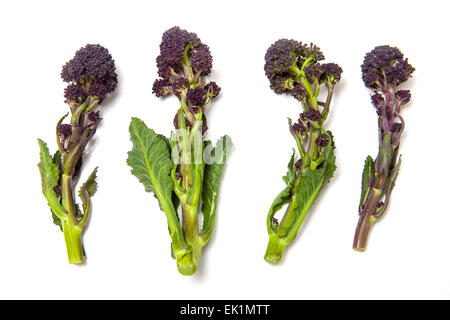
x=72, y=237
x=71, y=227
x=192, y=177
x=275, y=249
x=187, y=264
x=71, y=230
x=278, y=241
x=190, y=222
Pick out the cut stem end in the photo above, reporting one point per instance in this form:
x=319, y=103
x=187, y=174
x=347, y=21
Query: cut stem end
x=275, y=250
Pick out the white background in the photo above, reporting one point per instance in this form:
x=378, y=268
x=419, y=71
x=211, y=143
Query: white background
x=127, y=242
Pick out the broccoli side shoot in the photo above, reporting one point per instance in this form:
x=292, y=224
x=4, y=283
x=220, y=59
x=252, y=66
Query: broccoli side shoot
x=294, y=68
x=184, y=170
x=383, y=71
x=91, y=77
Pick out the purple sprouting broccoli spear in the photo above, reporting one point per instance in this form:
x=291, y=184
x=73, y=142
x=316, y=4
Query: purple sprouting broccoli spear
x=383, y=70
x=183, y=64
x=91, y=76
x=293, y=68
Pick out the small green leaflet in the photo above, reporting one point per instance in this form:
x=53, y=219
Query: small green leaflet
x=367, y=179
x=329, y=164
x=290, y=175
x=56, y=220
x=49, y=170
x=211, y=184
x=88, y=190
x=57, y=159
x=50, y=175
x=283, y=197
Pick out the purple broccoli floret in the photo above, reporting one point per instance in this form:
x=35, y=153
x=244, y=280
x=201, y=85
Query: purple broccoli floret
x=384, y=66
x=281, y=56
x=282, y=83
x=201, y=59
x=310, y=114
x=182, y=64
x=322, y=140
x=173, y=45
x=299, y=92
x=331, y=72
x=74, y=92
x=196, y=97
x=289, y=64
x=161, y=87
x=403, y=96
x=383, y=70
x=213, y=88
x=93, y=70
x=179, y=84
x=64, y=130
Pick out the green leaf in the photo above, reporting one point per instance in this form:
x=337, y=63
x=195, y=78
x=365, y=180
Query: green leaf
x=151, y=164
x=290, y=175
x=367, y=178
x=57, y=159
x=329, y=163
x=305, y=191
x=88, y=190
x=49, y=170
x=211, y=184
x=283, y=197
x=150, y=160
x=56, y=220
x=50, y=175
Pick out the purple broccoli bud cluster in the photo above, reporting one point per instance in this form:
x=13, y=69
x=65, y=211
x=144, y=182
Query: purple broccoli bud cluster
x=385, y=66
x=64, y=130
x=179, y=84
x=172, y=48
x=303, y=123
x=403, y=96
x=201, y=59
x=383, y=69
x=323, y=73
x=161, y=87
x=322, y=140
x=299, y=92
x=91, y=72
x=196, y=97
x=287, y=62
x=282, y=56
x=310, y=114
x=213, y=89
x=74, y=92
x=94, y=116
x=182, y=63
